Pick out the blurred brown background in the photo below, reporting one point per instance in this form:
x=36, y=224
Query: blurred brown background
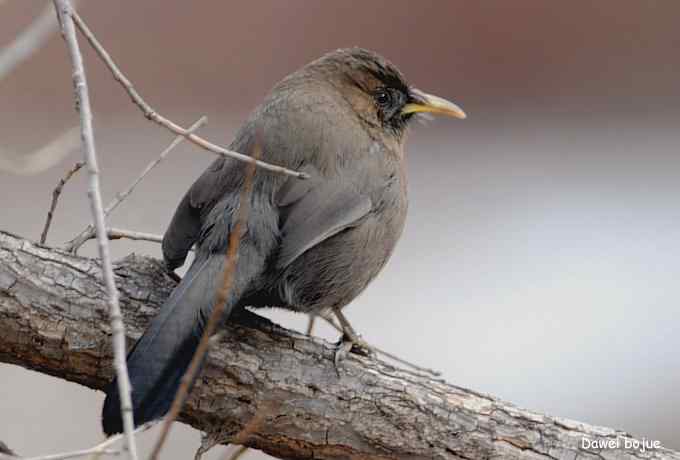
x=541, y=259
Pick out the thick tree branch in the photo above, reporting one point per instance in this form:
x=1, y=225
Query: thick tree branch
x=272, y=389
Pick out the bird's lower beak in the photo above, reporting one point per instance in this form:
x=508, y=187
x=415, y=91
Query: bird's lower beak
x=423, y=102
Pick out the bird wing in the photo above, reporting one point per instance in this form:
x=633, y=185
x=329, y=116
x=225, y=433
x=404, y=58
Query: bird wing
x=185, y=227
x=314, y=210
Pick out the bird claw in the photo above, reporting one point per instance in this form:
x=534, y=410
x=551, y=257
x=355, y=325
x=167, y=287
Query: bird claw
x=341, y=352
x=355, y=345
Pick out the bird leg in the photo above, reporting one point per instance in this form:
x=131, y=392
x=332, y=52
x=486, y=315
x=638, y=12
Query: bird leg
x=310, y=324
x=326, y=315
x=350, y=340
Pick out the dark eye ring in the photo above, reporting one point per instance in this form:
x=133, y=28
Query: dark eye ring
x=383, y=97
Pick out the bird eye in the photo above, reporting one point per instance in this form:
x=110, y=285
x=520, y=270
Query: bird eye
x=383, y=97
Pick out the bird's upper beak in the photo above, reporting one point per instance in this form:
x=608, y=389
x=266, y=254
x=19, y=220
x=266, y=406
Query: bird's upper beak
x=423, y=102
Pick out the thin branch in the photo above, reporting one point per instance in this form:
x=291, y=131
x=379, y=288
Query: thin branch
x=216, y=436
x=95, y=454
x=154, y=116
x=237, y=453
x=77, y=454
x=119, y=233
x=100, y=449
x=222, y=296
x=206, y=444
x=122, y=234
x=178, y=140
x=43, y=158
x=65, y=12
x=28, y=42
x=250, y=428
x=55, y=198
x=88, y=232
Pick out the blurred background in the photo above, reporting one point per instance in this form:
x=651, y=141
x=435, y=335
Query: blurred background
x=541, y=257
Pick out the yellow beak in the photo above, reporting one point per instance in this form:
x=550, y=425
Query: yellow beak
x=423, y=102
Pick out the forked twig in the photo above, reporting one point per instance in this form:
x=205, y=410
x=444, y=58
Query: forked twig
x=55, y=198
x=64, y=13
x=222, y=296
x=88, y=232
x=154, y=116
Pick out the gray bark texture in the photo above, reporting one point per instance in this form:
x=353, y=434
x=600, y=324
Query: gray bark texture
x=267, y=387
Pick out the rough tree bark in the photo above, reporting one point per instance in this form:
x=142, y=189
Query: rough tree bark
x=273, y=389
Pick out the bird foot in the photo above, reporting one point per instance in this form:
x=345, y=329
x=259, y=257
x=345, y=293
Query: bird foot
x=351, y=344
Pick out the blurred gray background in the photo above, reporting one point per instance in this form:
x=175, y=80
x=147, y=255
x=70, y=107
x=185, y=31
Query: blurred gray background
x=540, y=261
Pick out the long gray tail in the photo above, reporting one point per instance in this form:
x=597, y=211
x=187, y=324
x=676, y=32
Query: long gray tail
x=159, y=359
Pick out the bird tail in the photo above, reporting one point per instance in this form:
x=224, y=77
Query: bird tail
x=159, y=359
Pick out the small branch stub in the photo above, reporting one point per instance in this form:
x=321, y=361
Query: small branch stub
x=55, y=198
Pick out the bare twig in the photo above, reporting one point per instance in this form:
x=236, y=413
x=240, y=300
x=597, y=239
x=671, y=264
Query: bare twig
x=77, y=453
x=43, y=158
x=88, y=232
x=178, y=140
x=119, y=233
x=123, y=234
x=55, y=197
x=251, y=427
x=28, y=42
x=236, y=453
x=100, y=449
x=65, y=12
x=215, y=437
x=207, y=441
x=154, y=116
x=222, y=296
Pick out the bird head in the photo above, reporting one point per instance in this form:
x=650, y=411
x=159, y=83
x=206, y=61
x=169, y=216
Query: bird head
x=378, y=92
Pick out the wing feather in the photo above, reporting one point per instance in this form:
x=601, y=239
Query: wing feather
x=314, y=210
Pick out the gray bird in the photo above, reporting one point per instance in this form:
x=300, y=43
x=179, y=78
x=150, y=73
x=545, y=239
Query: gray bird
x=310, y=245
